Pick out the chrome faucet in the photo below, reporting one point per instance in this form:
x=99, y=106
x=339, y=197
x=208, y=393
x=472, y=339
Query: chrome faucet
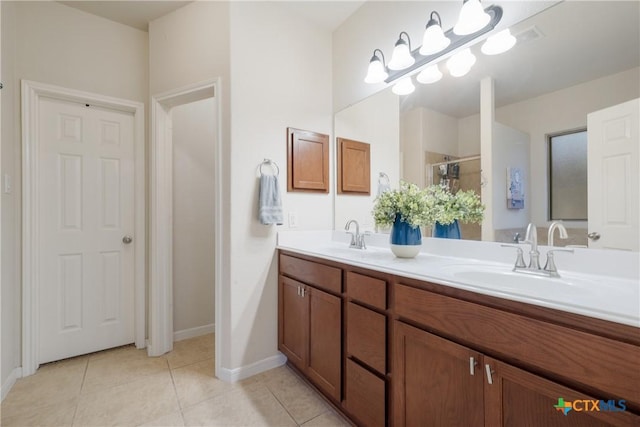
x=357, y=239
x=552, y=228
x=531, y=238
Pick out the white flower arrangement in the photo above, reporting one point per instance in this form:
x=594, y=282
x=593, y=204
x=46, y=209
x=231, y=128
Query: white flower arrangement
x=420, y=208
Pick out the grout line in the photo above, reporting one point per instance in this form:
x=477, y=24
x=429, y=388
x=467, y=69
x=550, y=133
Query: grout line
x=84, y=376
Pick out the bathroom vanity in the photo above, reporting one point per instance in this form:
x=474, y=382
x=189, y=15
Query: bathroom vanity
x=390, y=346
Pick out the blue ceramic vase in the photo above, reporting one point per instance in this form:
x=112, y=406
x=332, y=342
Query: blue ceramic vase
x=406, y=240
x=448, y=231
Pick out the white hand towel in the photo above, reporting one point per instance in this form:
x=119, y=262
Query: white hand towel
x=269, y=201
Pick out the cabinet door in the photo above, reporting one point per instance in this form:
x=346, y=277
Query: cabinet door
x=293, y=321
x=519, y=398
x=325, y=349
x=435, y=381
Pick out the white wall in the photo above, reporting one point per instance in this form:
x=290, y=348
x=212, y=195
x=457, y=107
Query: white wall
x=281, y=76
x=188, y=46
x=412, y=153
x=376, y=24
x=194, y=138
x=376, y=121
x=559, y=111
x=510, y=150
x=52, y=43
x=205, y=40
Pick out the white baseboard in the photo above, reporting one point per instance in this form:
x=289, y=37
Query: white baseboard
x=238, y=374
x=11, y=380
x=194, y=332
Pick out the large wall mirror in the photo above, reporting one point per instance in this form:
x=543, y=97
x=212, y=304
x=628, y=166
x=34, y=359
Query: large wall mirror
x=572, y=59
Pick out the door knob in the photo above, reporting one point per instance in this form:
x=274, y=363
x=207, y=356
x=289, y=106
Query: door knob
x=593, y=235
x=127, y=239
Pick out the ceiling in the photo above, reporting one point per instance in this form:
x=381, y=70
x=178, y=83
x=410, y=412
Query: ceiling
x=326, y=13
x=580, y=41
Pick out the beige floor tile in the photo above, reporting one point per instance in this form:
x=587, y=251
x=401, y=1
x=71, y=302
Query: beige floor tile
x=52, y=383
x=195, y=383
x=57, y=415
x=300, y=400
x=191, y=351
x=121, y=367
x=255, y=406
x=174, y=419
x=125, y=351
x=128, y=404
x=328, y=419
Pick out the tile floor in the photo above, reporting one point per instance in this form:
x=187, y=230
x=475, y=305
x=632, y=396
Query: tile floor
x=124, y=387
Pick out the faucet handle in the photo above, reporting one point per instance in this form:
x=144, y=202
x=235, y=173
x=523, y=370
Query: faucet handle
x=519, y=257
x=550, y=265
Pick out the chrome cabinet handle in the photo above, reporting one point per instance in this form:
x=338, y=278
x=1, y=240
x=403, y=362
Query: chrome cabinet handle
x=472, y=365
x=593, y=235
x=489, y=372
x=127, y=239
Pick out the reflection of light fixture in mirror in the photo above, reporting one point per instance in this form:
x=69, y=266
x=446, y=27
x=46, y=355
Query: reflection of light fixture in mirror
x=403, y=87
x=401, y=57
x=376, y=72
x=499, y=43
x=472, y=18
x=461, y=63
x=434, y=39
x=431, y=74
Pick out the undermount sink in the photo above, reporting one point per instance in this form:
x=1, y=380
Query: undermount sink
x=572, y=287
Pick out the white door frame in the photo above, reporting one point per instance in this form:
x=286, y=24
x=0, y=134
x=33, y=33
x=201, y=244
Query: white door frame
x=161, y=214
x=31, y=94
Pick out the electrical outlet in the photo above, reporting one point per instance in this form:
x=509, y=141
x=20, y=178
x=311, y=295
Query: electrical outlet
x=293, y=219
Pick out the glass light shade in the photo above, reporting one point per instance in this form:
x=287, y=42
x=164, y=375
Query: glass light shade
x=498, y=43
x=376, y=72
x=431, y=74
x=472, y=18
x=461, y=63
x=403, y=87
x=434, y=40
x=401, y=57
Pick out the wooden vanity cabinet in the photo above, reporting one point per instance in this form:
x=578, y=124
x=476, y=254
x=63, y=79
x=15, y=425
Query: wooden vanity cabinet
x=554, y=362
x=366, y=349
x=310, y=326
x=441, y=383
x=392, y=351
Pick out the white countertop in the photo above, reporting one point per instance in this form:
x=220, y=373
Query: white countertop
x=595, y=283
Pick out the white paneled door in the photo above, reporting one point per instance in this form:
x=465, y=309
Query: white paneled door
x=614, y=177
x=86, y=223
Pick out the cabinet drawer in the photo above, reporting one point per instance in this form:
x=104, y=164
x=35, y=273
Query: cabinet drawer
x=367, y=290
x=365, y=396
x=595, y=362
x=319, y=275
x=366, y=336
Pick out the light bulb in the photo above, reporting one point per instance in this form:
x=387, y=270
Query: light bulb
x=403, y=87
x=434, y=39
x=431, y=74
x=461, y=63
x=376, y=72
x=401, y=57
x=472, y=18
x=498, y=43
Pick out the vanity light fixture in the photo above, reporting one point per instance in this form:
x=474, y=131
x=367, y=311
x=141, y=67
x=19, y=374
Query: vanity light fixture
x=472, y=18
x=403, y=87
x=434, y=39
x=376, y=72
x=401, y=57
x=406, y=62
x=429, y=75
x=498, y=43
x=461, y=63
